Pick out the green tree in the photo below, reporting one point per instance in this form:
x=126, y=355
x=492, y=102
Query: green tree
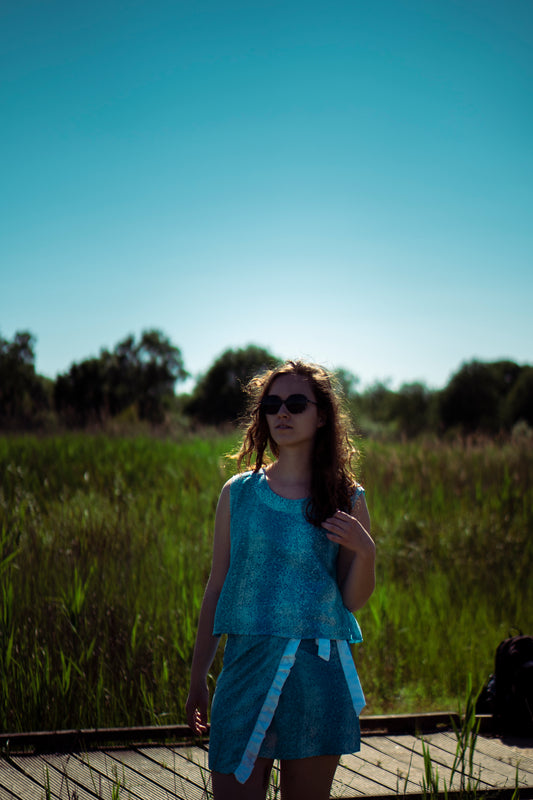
x=219, y=395
x=375, y=404
x=23, y=393
x=411, y=408
x=347, y=381
x=519, y=402
x=160, y=367
x=475, y=397
x=134, y=375
x=80, y=395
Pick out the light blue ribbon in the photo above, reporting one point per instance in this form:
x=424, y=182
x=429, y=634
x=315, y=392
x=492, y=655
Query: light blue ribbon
x=244, y=770
x=350, y=673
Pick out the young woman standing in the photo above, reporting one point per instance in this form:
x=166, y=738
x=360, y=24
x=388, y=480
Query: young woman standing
x=292, y=559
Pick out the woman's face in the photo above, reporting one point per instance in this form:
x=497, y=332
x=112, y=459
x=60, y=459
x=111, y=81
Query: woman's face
x=291, y=429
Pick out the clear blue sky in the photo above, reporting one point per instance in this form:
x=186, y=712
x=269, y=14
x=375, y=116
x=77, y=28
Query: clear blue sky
x=348, y=181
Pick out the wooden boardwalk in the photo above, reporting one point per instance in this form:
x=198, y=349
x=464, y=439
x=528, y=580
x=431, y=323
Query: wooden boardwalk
x=390, y=764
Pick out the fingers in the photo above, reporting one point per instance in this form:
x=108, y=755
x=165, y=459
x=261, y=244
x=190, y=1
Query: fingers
x=334, y=532
x=344, y=529
x=341, y=518
x=196, y=716
x=197, y=720
x=343, y=522
x=338, y=523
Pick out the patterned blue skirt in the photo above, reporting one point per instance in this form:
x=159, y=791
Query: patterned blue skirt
x=314, y=715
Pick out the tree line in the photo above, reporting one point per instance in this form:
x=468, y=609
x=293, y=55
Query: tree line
x=138, y=381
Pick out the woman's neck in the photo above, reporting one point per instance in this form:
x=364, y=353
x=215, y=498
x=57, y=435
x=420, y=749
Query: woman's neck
x=291, y=471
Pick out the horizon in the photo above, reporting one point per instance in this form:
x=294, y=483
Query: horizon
x=186, y=385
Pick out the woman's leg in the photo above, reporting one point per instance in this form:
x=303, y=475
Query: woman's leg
x=308, y=777
x=227, y=787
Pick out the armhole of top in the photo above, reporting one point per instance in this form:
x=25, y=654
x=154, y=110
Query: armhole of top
x=357, y=494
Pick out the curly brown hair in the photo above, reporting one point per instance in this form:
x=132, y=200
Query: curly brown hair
x=334, y=454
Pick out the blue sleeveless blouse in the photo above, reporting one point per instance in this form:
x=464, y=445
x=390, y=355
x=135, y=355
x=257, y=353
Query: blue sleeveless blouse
x=282, y=575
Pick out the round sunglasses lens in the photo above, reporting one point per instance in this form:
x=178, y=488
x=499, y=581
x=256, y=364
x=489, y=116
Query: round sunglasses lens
x=271, y=405
x=296, y=406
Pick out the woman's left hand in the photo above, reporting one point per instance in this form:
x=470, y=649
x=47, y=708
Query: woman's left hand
x=357, y=554
x=348, y=531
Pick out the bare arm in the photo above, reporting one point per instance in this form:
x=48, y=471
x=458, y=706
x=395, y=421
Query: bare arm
x=357, y=554
x=206, y=643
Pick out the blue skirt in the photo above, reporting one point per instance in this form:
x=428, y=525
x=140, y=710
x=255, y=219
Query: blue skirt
x=314, y=715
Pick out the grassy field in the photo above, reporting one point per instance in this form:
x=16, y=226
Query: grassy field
x=105, y=548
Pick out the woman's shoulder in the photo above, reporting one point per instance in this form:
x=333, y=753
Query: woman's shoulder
x=241, y=479
x=241, y=487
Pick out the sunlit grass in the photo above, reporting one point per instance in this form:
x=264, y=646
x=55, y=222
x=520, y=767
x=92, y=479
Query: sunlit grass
x=105, y=547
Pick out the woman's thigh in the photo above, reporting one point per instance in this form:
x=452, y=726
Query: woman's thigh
x=227, y=787
x=307, y=777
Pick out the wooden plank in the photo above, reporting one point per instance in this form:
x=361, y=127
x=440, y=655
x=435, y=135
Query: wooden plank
x=80, y=740
x=19, y=784
x=498, y=770
x=407, y=750
x=384, y=769
x=5, y=794
x=409, y=766
x=517, y=766
x=189, y=763
x=493, y=771
x=352, y=776
x=192, y=760
x=115, y=772
x=87, y=780
x=517, y=755
x=62, y=783
x=143, y=765
x=369, y=777
x=348, y=783
x=499, y=763
x=441, y=759
x=169, y=772
x=179, y=769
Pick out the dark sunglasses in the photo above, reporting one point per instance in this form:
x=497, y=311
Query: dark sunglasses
x=295, y=403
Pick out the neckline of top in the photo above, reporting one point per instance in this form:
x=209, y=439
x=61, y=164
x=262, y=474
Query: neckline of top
x=268, y=492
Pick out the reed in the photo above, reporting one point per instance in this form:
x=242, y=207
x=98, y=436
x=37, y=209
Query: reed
x=105, y=547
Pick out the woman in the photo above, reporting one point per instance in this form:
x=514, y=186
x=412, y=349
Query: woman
x=292, y=558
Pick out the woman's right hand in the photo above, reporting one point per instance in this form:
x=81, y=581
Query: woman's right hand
x=196, y=709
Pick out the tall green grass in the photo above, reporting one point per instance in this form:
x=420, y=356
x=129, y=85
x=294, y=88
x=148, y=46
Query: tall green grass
x=105, y=547
x=453, y=525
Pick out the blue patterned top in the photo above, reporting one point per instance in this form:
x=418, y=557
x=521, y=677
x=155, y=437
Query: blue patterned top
x=282, y=575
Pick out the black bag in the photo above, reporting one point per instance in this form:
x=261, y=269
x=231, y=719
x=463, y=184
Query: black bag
x=508, y=694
